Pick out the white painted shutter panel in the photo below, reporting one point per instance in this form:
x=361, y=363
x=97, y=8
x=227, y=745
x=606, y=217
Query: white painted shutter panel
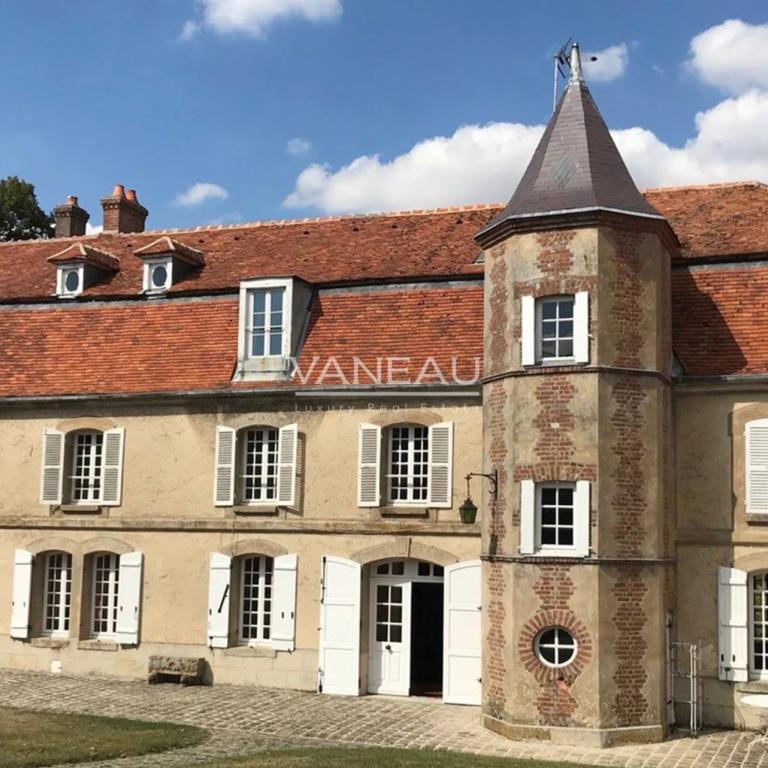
x=114, y=440
x=462, y=635
x=52, y=479
x=528, y=330
x=733, y=634
x=581, y=527
x=527, y=517
x=284, y=603
x=441, y=465
x=369, y=466
x=22, y=591
x=224, y=471
x=340, y=627
x=581, y=327
x=129, y=598
x=286, y=469
x=756, y=435
x=219, y=578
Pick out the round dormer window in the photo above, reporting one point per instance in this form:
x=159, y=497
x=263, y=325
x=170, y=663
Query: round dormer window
x=159, y=276
x=72, y=281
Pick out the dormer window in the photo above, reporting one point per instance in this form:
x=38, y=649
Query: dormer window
x=69, y=280
x=273, y=315
x=158, y=275
x=166, y=263
x=266, y=322
x=80, y=266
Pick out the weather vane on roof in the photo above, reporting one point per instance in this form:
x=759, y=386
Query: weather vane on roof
x=567, y=66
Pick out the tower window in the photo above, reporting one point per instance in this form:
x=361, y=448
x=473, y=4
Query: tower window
x=555, y=328
x=555, y=647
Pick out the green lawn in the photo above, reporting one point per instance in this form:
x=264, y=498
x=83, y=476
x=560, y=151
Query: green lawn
x=376, y=758
x=47, y=738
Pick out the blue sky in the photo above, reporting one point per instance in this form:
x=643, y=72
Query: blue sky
x=389, y=104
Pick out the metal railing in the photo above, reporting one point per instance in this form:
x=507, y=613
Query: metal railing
x=685, y=661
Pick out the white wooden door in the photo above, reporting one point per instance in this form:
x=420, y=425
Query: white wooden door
x=462, y=633
x=340, y=627
x=389, y=660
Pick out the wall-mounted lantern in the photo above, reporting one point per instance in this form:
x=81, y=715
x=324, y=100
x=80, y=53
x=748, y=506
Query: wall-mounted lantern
x=468, y=510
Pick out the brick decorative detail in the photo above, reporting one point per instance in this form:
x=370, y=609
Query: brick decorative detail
x=554, y=702
x=498, y=316
x=630, y=704
x=494, y=664
x=628, y=310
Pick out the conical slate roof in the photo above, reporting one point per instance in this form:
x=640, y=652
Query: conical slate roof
x=576, y=166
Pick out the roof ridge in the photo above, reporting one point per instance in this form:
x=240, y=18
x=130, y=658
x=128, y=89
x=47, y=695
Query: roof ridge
x=270, y=223
x=713, y=185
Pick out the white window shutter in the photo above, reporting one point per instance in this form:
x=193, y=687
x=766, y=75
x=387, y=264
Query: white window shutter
x=219, y=578
x=52, y=479
x=581, y=327
x=581, y=527
x=286, y=469
x=756, y=439
x=114, y=440
x=441, y=465
x=224, y=470
x=369, y=466
x=733, y=635
x=528, y=330
x=527, y=517
x=22, y=592
x=284, y=603
x=129, y=598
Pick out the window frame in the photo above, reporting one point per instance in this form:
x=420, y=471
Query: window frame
x=149, y=265
x=59, y=598
x=241, y=451
x=574, y=646
x=61, y=272
x=549, y=549
x=112, y=593
x=539, y=330
x=245, y=335
x=261, y=611
x=96, y=467
x=410, y=463
x=753, y=672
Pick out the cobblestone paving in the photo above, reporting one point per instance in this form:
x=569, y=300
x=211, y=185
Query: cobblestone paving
x=245, y=719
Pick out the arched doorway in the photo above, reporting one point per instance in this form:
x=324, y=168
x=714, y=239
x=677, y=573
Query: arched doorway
x=405, y=637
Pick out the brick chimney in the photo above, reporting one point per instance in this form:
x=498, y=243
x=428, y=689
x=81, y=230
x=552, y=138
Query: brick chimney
x=122, y=211
x=70, y=218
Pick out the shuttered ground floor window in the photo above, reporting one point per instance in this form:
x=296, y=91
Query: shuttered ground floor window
x=256, y=599
x=106, y=572
x=58, y=593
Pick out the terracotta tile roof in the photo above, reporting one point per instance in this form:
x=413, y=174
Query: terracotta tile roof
x=719, y=320
x=353, y=248
x=716, y=219
x=182, y=345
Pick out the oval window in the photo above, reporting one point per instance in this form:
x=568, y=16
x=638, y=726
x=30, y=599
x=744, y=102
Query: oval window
x=555, y=647
x=159, y=276
x=72, y=281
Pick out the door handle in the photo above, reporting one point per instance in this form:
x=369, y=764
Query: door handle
x=388, y=647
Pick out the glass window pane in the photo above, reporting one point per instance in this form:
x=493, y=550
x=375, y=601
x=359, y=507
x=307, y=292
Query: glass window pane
x=566, y=537
x=397, y=595
x=423, y=569
x=396, y=614
x=259, y=301
x=382, y=593
x=275, y=343
x=549, y=329
x=548, y=310
x=566, y=308
x=396, y=633
x=548, y=348
x=277, y=299
x=566, y=328
x=566, y=349
x=566, y=496
x=398, y=568
x=549, y=536
x=381, y=633
x=548, y=496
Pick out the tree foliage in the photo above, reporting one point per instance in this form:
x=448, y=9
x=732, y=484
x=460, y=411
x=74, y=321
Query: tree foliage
x=21, y=217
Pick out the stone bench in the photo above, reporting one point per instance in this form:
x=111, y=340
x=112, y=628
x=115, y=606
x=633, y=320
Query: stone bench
x=186, y=670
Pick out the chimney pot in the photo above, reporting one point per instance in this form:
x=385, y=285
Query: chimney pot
x=122, y=211
x=70, y=218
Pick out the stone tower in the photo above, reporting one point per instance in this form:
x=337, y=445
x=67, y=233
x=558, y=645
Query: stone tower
x=577, y=548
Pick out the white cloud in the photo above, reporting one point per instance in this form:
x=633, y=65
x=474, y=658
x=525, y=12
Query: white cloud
x=611, y=64
x=90, y=229
x=298, y=146
x=732, y=56
x=200, y=193
x=254, y=17
x=484, y=163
